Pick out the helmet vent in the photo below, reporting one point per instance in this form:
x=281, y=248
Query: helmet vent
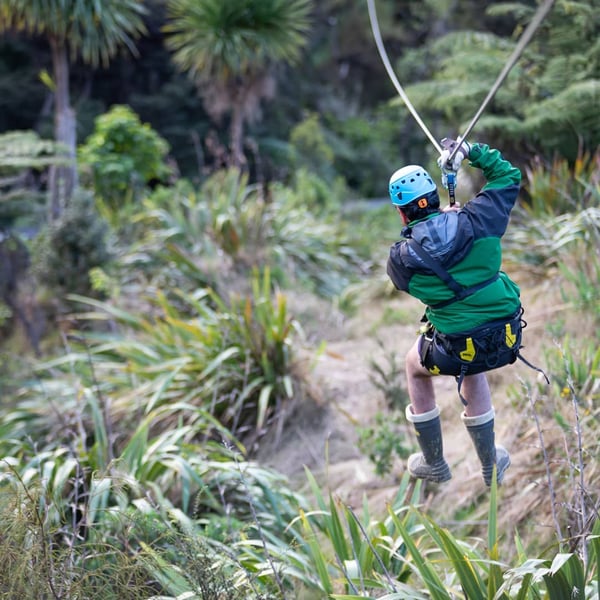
x=409, y=183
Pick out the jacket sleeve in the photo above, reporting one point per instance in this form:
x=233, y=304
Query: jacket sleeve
x=497, y=171
x=396, y=270
x=489, y=211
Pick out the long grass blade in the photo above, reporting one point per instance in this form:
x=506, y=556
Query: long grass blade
x=430, y=578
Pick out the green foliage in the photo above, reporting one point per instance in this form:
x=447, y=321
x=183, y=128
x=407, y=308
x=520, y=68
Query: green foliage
x=5, y=313
x=408, y=555
x=172, y=246
x=390, y=381
x=369, y=146
x=93, y=31
x=567, y=426
x=581, y=272
x=23, y=157
x=549, y=98
x=230, y=50
x=310, y=247
x=116, y=493
x=126, y=539
x=66, y=249
x=232, y=362
x=575, y=367
x=322, y=197
x=383, y=440
x=44, y=559
x=212, y=39
x=563, y=187
x=311, y=150
x=121, y=158
x=26, y=150
x=230, y=225
x=334, y=550
x=539, y=244
x=386, y=436
x=560, y=223
x=263, y=330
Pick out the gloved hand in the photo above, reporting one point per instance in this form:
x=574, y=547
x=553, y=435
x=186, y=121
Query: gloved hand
x=448, y=146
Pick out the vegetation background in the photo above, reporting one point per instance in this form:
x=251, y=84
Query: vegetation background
x=201, y=376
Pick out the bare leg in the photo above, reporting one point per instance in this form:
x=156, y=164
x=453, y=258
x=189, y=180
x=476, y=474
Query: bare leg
x=478, y=417
x=476, y=390
x=419, y=383
x=429, y=464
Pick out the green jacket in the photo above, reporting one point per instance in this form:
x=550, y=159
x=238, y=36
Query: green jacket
x=467, y=244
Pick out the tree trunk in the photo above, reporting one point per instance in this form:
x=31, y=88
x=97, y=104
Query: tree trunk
x=63, y=178
x=237, y=158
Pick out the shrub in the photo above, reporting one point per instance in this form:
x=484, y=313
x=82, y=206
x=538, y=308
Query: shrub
x=122, y=157
x=559, y=187
x=66, y=249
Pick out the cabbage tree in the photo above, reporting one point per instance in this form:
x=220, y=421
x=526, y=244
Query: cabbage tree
x=230, y=50
x=91, y=31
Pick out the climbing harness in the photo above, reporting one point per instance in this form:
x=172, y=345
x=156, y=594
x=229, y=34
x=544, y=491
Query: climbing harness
x=450, y=174
x=489, y=346
x=483, y=348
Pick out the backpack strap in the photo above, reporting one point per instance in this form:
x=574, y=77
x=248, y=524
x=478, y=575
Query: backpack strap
x=460, y=292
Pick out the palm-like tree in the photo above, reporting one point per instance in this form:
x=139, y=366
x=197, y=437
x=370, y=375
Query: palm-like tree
x=93, y=31
x=229, y=48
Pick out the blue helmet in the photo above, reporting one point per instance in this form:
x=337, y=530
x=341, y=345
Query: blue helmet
x=409, y=183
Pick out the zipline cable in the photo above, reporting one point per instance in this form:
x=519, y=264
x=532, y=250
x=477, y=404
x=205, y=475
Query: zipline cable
x=392, y=75
x=539, y=16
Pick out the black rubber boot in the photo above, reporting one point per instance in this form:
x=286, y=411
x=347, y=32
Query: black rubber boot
x=481, y=430
x=430, y=463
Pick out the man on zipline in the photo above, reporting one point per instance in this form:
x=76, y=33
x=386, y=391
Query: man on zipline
x=450, y=260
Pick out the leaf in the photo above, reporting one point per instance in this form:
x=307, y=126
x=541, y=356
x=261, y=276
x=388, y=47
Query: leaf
x=422, y=565
x=263, y=405
x=318, y=557
x=169, y=575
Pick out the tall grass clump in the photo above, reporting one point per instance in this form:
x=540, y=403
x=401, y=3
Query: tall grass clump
x=159, y=516
x=227, y=361
x=560, y=223
x=344, y=554
x=569, y=436
x=560, y=187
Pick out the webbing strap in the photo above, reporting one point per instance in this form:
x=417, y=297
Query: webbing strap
x=460, y=291
x=436, y=267
x=538, y=17
x=390, y=71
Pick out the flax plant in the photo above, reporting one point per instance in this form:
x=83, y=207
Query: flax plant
x=231, y=360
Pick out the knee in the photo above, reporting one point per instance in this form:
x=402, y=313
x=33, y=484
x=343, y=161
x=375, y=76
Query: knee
x=412, y=361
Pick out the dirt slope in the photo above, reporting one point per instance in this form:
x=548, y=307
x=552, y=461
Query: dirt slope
x=323, y=436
